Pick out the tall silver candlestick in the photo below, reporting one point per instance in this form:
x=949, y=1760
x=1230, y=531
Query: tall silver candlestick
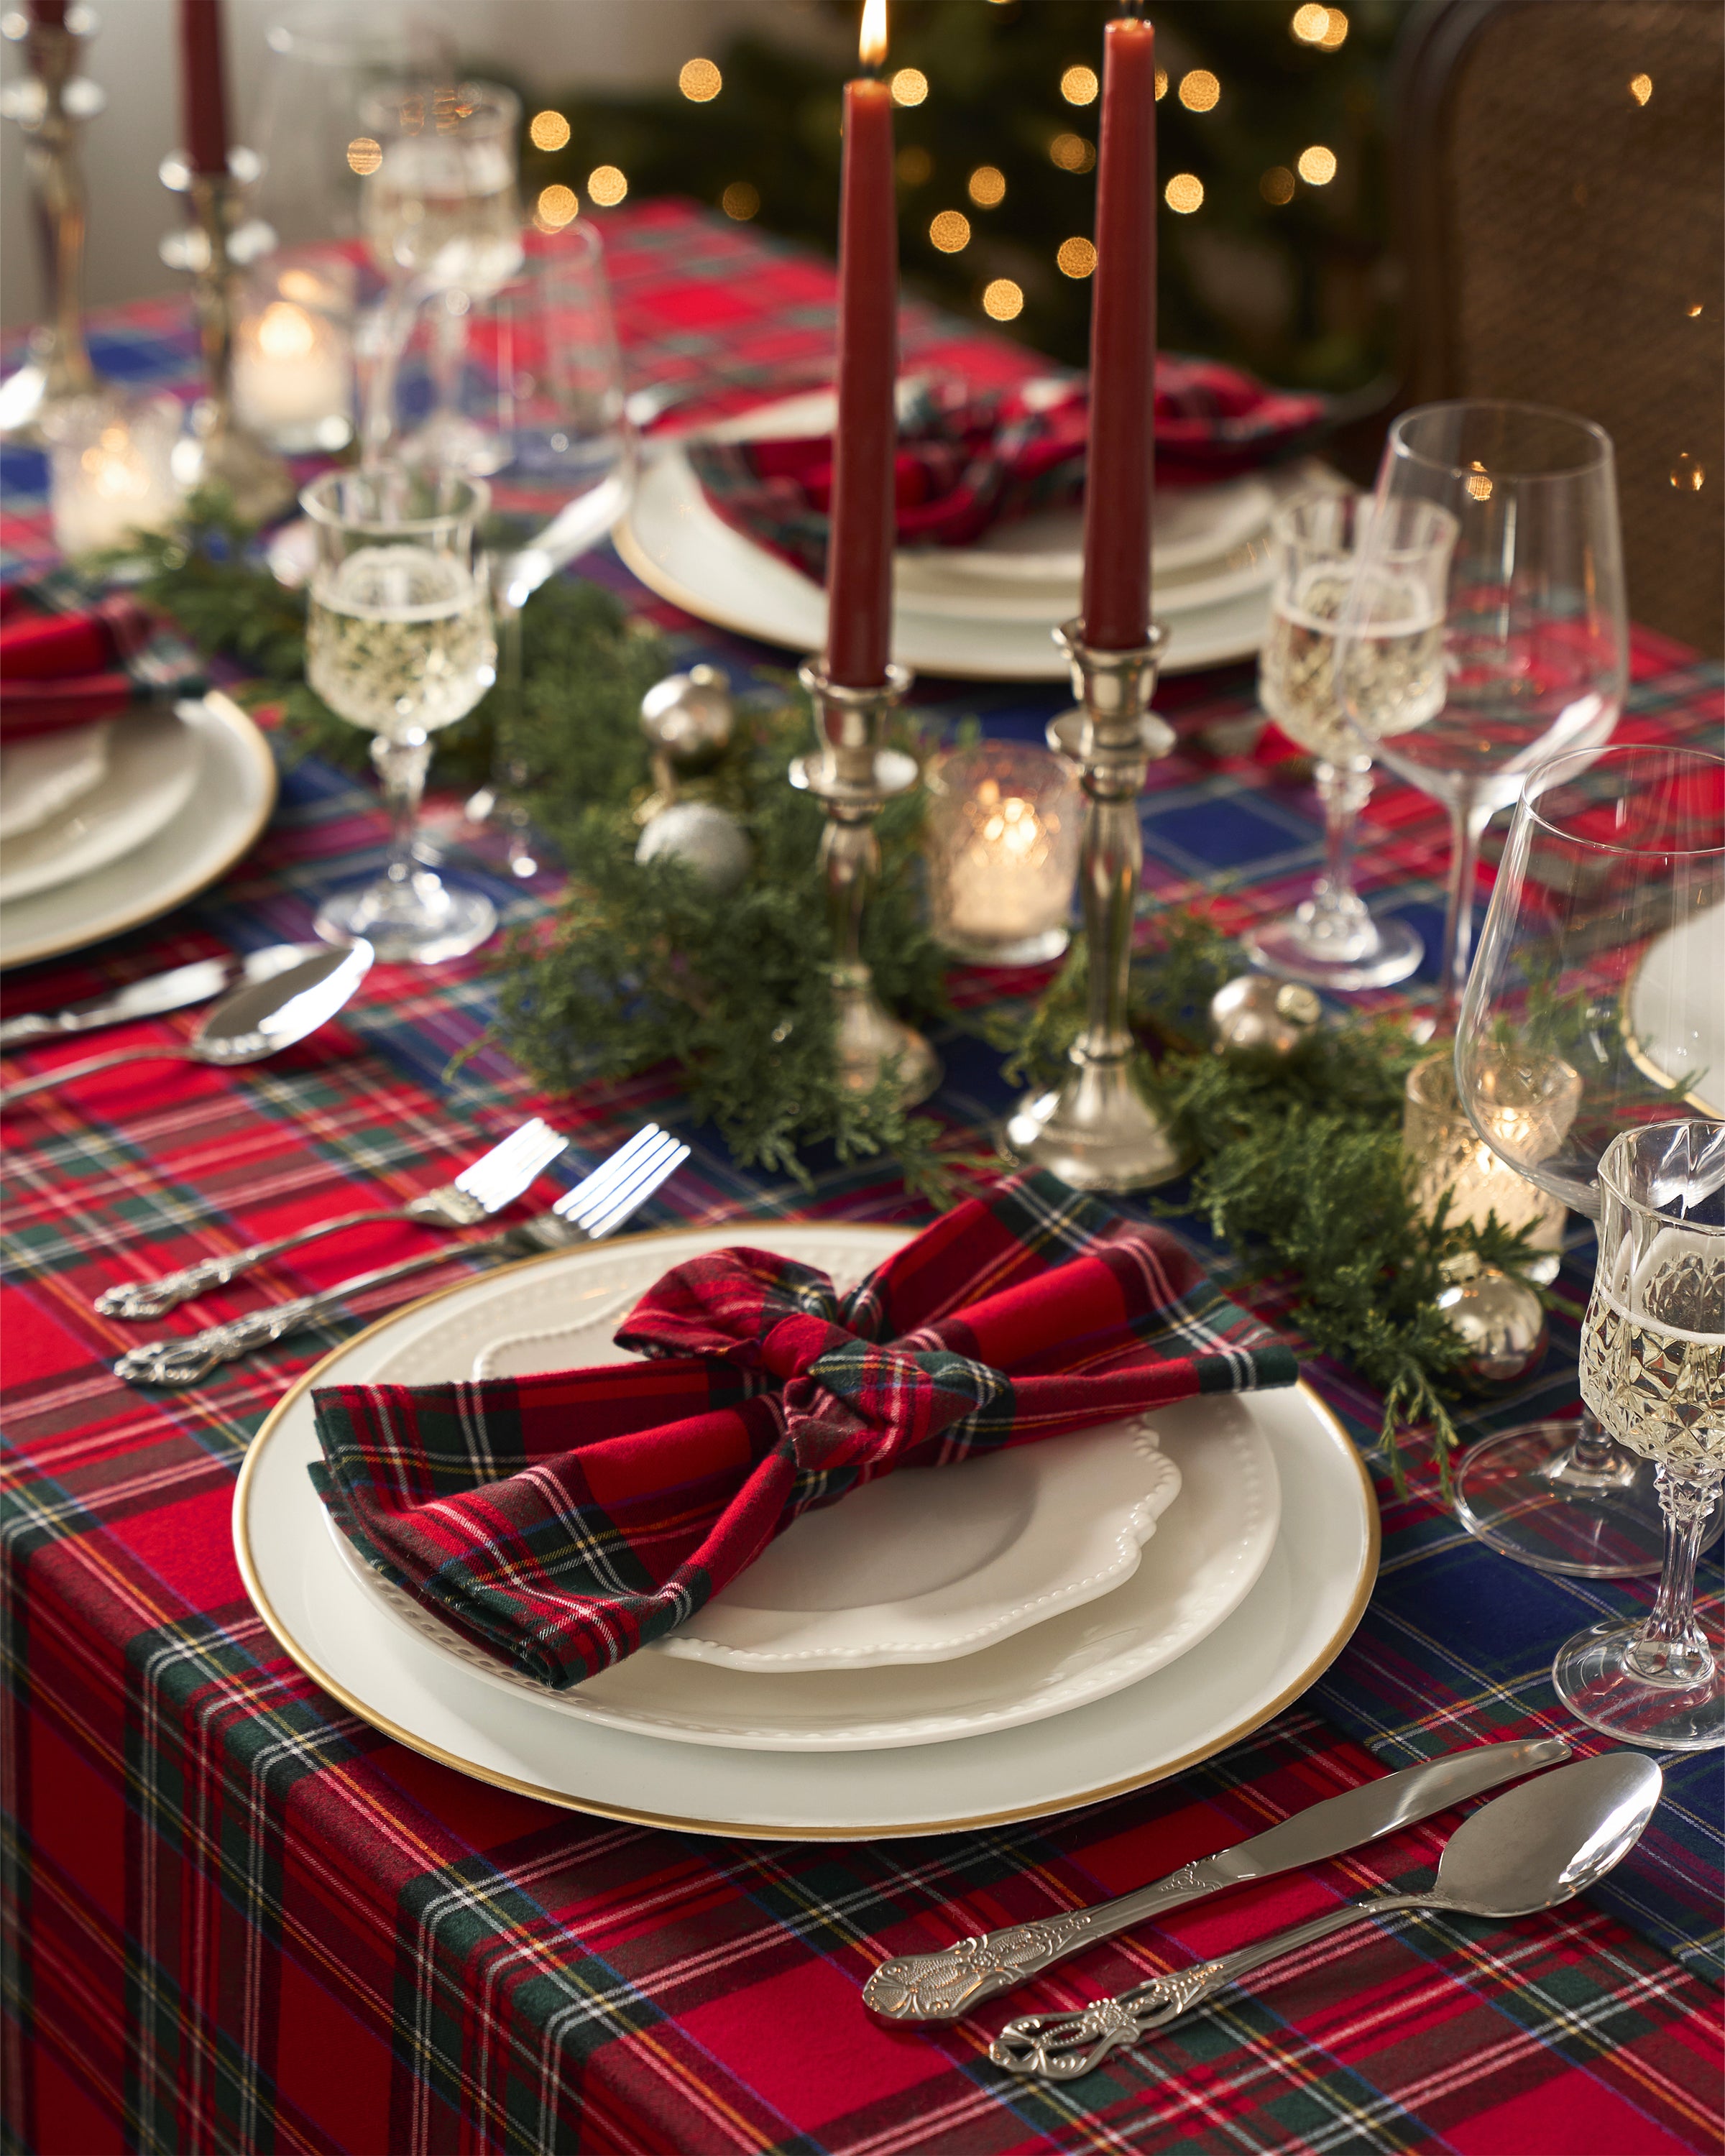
x=48, y=102
x=854, y=775
x=220, y=241
x=1096, y=1130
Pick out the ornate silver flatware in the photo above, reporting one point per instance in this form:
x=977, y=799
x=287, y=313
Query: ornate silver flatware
x=939, y=1987
x=173, y=990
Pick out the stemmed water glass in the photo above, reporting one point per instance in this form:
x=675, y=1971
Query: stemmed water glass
x=1596, y=1004
x=1653, y=1370
x=1330, y=940
x=398, y=640
x=1535, y=638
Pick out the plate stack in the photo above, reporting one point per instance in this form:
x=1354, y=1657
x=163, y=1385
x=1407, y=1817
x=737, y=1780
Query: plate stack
x=944, y=1648
x=104, y=826
x=985, y=612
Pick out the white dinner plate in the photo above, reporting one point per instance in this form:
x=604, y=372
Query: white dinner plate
x=40, y=779
x=1677, y=1009
x=218, y=821
x=681, y=548
x=920, y=1566
x=151, y=765
x=1291, y=1625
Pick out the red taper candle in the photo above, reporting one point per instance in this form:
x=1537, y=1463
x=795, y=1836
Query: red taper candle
x=48, y=14
x=865, y=438
x=1119, y=481
x=206, y=99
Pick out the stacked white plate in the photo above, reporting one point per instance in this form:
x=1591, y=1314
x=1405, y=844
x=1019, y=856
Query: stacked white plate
x=946, y=1647
x=985, y=612
x=103, y=827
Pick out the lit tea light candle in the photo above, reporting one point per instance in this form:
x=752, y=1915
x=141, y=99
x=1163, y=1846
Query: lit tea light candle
x=1450, y=1157
x=1003, y=837
x=293, y=365
x=111, y=474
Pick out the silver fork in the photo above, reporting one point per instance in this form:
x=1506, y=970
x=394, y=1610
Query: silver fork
x=495, y=1180
x=590, y=1211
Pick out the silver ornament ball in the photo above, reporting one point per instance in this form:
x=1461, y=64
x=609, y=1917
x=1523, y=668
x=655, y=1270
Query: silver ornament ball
x=689, y=720
x=1501, y=1320
x=709, y=840
x=1260, y=1019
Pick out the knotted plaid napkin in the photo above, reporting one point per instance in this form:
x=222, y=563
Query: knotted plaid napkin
x=68, y=657
x=562, y=1521
x=967, y=459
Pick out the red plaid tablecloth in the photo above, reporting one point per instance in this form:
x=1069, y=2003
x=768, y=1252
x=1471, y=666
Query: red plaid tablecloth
x=240, y=1918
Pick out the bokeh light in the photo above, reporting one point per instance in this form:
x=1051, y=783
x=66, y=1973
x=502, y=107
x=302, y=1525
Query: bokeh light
x=607, y=184
x=1479, y=483
x=699, y=81
x=1184, y=193
x=1077, y=257
x=1161, y=84
x=1335, y=34
x=988, y=186
x=1072, y=153
x=740, y=200
x=1002, y=301
x=1277, y=185
x=364, y=156
x=1199, y=90
x=1078, y=85
x=555, y=207
x=1317, y=166
x=1640, y=88
x=1689, y=475
x=1310, y=24
x=547, y=131
x=910, y=86
x=950, y=230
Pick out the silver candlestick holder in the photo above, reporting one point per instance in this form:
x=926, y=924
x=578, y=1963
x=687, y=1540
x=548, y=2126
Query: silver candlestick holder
x=1096, y=1130
x=48, y=102
x=854, y=775
x=219, y=241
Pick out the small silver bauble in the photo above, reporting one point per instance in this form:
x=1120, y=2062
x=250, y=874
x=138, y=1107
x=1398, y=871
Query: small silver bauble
x=689, y=720
x=705, y=839
x=1260, y=1019
x=1501, y=1320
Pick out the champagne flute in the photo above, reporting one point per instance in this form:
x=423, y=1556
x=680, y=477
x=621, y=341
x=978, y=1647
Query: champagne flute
x=1330, y=940
x=1653, y=1370
x=1535, y=639
x=398, y=640
x=1597, y=1003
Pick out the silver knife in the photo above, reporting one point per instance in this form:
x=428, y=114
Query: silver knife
x=939, y=1987
x=171, y=991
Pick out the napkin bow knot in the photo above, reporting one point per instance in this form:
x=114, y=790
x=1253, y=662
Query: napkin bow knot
x=562, y=1520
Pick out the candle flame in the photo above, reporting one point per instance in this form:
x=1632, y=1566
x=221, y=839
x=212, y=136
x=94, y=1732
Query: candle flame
x=871, y=45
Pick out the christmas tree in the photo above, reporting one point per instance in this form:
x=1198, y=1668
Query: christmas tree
x=1271, y=131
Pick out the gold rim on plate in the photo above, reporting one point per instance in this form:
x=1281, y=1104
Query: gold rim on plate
x=245, y=731
x=686, y=1823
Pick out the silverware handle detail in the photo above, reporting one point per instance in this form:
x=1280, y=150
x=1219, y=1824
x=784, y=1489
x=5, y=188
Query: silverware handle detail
x=1063, y=2047
x=185, y=1362
x=110, y=1059
x=138, y=1299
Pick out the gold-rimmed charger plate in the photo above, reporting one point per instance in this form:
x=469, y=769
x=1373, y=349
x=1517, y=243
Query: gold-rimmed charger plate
x=1287, y=1632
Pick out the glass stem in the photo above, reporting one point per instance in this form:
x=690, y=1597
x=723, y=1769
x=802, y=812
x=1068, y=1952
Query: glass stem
x=448, y=355
x=1344, y=790
x=401, y=765
x=1672, y=1648
x=1593, y=1452
x=382, y=342
x=1468, y=818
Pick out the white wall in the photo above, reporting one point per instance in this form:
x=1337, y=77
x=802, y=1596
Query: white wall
x=134, y=57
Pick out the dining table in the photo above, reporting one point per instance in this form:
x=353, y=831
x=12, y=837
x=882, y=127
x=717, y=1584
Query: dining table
x=241, y=1916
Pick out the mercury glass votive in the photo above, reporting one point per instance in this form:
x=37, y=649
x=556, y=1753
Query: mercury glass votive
x=293, y=354
x=1449, y=1156
x=111, y=462
x=1001, y=842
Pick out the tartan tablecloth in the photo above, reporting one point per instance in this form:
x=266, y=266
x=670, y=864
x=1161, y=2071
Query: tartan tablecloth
x=239, y=1918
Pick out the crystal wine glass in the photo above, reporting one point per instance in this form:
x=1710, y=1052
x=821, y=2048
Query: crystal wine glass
x=1536, y=641
x=1597, y=1003
x=398, y=640
x=1653, y=1370
x=1330, y=940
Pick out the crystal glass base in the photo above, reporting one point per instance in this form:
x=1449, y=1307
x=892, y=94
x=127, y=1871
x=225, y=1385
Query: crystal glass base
x=418, y=919
x=1028, y=951
x=1379, y=951
x=1672, y=1699
x=1522, y=1493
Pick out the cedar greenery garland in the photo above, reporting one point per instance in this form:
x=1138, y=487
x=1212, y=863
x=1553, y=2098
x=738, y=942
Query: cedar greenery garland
x=1299, y=1170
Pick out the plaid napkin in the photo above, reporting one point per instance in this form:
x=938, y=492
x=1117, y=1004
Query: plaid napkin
x=967, y=459
x=69, y=657
x=562, y=1521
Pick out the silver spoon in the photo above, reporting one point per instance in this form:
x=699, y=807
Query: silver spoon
x=256, y=1020
x=1529, y=1849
